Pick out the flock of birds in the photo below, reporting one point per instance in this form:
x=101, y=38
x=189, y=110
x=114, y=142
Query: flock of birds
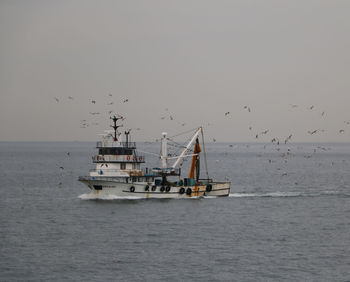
x=84, y=123
x=287, y=139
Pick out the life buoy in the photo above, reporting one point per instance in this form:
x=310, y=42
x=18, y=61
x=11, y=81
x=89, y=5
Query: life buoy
x=146, y=188
x=132, y=189
x=128, y=158
x=209, y=188
x=182, y=190
x=154, y=187
x=188, y=191
x=167, y=188
x=162, y=189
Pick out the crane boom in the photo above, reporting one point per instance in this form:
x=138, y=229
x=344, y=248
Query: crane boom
x=187, y=147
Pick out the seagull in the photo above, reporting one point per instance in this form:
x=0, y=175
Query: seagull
x=257, y=136
x=250, y=128
x=246, y=107
x=265, y=132
x=110, y=95
x=125, y=100
x=171, y=118
x=214, y=140
x=288, y=138
x=227, y=113
x=323, y=113
x=61, y=167
x=57, y=100
x=68, y=154
x=70, y=97
x=312, y=107
x=341, y=131
x=294, y=106
x=312, y=132
x=111, y=103
x=93, y=101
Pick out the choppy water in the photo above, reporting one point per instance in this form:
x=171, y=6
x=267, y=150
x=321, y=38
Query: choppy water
x=287, y=219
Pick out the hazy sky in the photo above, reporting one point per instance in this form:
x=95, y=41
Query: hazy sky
x=198, y=59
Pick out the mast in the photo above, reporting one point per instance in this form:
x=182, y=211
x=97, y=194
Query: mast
x=164, y=155
x=127, y=138
x=115, y=126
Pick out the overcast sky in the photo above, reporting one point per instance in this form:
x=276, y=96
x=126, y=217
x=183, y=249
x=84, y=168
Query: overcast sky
x=180, y=64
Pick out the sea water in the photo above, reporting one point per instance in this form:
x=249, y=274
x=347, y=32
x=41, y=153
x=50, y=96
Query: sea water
x=287, y=218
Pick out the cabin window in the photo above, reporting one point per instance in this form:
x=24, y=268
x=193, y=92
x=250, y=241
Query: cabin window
x=123, y=166
x=115, y=151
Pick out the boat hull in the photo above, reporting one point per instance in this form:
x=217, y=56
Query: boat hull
x=103, y=187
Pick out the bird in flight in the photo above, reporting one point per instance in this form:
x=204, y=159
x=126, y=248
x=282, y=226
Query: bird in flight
x=288, y=138
x=93, y=101
x=247, y=108
x=125, y=100
x=227, y=113
x=57, y=100
x=312, y=132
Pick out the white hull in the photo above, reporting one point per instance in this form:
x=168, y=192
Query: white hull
x=107, y=188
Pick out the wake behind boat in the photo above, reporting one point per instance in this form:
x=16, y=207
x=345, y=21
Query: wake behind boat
x=118, y=171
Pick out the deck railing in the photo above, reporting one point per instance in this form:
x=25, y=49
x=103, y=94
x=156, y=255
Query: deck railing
x=101, y=144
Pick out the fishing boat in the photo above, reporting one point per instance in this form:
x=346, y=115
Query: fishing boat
x=118, y=170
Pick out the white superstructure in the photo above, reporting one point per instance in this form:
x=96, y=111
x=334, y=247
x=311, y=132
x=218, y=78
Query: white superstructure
x=118, y=171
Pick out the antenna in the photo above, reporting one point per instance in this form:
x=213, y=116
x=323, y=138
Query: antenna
x=127, y=137
x=115, y=126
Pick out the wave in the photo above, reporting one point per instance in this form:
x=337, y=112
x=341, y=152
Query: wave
x=92, y=196
x=279, y=194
